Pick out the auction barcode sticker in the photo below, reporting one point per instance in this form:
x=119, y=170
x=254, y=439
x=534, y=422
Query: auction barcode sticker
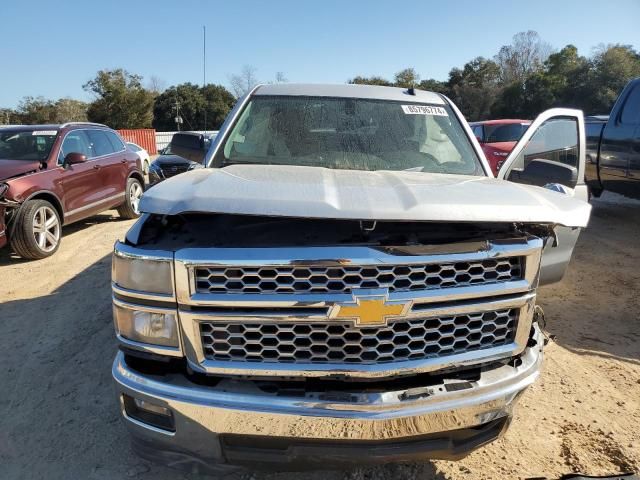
x=424, y=110
x=45, y=132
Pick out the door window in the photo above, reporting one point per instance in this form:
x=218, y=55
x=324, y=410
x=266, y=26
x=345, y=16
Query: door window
x=116, y=141
x=555, y=140
x=76, y=141
x=100, y=143
x=551, y=152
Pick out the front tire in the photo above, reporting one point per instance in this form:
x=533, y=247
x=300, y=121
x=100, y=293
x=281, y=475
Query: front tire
x=36, y=230
x=133, y=192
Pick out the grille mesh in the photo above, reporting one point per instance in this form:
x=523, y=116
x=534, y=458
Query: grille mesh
x=342, y=342
x=171, y=169
x=322, y=279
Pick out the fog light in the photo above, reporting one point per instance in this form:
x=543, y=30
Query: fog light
x=151, y=407
x=154, y=325
x=156, y=328
x=149, y=413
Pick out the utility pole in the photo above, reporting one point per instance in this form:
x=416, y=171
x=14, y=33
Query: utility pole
x=178, y=118
x=204, y=74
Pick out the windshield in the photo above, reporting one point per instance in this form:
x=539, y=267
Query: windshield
x=26, y=144
x=350, y=134
x=511, y=132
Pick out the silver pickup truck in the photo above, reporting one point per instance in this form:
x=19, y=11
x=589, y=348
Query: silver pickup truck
x=346, y=283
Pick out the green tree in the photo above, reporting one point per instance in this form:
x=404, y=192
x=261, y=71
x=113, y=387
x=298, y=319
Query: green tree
x=39, y=110
x=70, y=110
x=218, y=102
x=558, y=84
x=433, y=85
x=509, y=102
x=190, y=101
x=8, y=116
x=407, y=78
x=36, y=110
x=475, y=87
x=568, y=79
x=121, y=100
x=374, y=80
x=611, y=68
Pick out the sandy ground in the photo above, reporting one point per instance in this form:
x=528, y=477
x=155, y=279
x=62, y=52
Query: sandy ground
x=59, y=418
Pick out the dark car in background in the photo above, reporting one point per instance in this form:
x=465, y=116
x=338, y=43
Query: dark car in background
x=184, y=153
x=54, y=175
x=168, y=164
x=498, y=137
x=617, y=164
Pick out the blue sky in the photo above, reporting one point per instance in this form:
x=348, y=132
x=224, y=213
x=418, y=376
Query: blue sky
x=52, y=48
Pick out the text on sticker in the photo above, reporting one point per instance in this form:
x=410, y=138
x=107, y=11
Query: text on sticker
x=424, y=110
x=45, y=132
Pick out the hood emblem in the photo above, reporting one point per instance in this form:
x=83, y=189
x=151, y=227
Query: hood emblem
x=370, y=309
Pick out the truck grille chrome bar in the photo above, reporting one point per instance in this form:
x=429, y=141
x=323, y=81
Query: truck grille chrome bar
x=321, y=279
x=343, y=342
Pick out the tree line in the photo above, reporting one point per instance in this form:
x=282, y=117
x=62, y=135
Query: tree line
x=121, y=100
x=527, y=77
x=521, y=80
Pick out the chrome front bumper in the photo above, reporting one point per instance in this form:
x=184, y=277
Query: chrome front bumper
x=207, y=417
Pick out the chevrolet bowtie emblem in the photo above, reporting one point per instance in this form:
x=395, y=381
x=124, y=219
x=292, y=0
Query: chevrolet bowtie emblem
x=370, y=309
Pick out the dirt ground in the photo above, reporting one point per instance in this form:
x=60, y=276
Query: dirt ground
x=59, y=418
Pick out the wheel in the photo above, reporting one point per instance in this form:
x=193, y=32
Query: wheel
x=36, y=230
x=129, y=209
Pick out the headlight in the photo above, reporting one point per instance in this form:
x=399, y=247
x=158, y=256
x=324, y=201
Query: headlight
x=141, y=272
x=146, y=325
x=154, y=167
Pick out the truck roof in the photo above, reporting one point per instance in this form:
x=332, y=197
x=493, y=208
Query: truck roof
x=348, y=90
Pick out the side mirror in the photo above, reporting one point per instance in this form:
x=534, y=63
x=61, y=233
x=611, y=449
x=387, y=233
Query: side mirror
x=74, y=158
x=541, y=172
x=192, y=146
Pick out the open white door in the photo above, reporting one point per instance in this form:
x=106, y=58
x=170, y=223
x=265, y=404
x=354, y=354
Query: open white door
x=551, y=154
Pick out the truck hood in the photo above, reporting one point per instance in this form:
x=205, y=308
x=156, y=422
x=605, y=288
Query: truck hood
x=15, y=168
x=314, y=192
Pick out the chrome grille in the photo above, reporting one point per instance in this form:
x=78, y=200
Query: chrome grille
x=342, y=342
x=342, y=279
x=171, y=169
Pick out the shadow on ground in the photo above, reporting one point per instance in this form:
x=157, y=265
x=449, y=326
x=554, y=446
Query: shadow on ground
x=594, y=310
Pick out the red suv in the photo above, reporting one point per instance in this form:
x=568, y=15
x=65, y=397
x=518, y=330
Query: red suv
x=498, y=137
x=54, y=175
